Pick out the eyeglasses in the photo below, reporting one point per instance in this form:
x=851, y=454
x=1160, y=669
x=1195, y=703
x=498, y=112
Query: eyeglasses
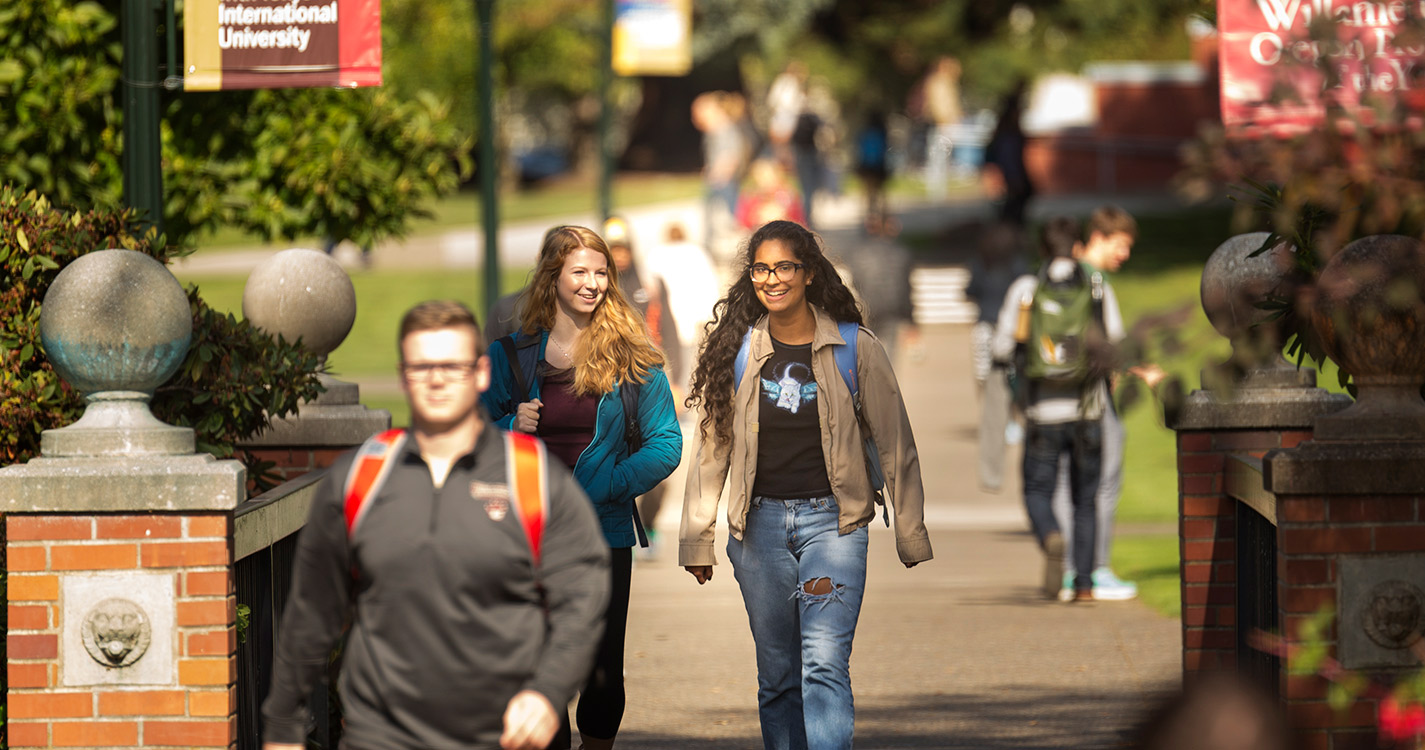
x=453, y=372
x=785, y=271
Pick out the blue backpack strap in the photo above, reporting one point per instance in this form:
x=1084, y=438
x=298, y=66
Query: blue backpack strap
x=846, y=365
x=846, y=358
x=739, y=365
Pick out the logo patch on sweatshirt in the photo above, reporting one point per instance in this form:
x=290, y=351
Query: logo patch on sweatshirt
x=496, y=497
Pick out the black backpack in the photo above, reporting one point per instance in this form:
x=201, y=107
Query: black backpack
x=523, y=356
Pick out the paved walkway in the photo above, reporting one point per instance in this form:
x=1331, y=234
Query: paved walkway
x=960, y=652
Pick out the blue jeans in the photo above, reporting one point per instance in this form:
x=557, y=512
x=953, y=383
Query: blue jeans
x=788, y=549
x=1043, y=444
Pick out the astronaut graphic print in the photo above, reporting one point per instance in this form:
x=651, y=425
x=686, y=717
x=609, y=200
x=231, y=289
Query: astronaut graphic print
x=789, y=458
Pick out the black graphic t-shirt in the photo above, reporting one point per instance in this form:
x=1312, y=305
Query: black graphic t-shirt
x=789, y=458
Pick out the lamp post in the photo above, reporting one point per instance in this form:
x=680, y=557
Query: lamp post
x=143, y=173
x=489, y=169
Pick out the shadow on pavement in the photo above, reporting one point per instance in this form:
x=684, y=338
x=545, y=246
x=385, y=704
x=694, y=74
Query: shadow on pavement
x=1024, y=717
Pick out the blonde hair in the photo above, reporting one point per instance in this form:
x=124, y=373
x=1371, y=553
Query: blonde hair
x=615, y=348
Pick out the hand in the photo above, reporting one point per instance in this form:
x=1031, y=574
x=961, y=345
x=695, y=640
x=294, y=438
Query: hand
x=912, y=564
x=1150, y=374
x=281, y=746
x=530, y=722
x=527, y=416
x=701, y=572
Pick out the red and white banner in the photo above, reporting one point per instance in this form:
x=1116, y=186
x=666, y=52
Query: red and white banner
x=270, y=44
x=1271, y=81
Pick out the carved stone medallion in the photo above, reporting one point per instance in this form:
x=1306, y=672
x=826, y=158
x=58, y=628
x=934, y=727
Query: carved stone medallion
x=1392, y=614
x=116, y=632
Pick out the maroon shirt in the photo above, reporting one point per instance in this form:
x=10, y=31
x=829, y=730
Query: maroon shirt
x=566, y=422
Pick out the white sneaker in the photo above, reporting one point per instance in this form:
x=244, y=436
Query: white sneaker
x=1109, y=587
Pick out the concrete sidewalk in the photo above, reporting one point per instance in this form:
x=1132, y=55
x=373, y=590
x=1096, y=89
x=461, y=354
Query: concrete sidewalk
x=959, y=652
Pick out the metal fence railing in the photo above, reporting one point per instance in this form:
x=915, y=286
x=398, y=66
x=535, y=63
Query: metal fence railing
x=1256, y=522
x=265, y=544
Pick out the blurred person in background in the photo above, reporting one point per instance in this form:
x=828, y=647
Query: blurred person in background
x=1004, y=176
x=940, y=101
x=786, y=100
x=649, y=295
x=999, y=262
x=880, y=273
x=724, y=159
x=769, y=197
x=1111, y=234
x=873, y=164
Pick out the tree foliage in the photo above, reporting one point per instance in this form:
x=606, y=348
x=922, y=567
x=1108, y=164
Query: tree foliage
x=234, y=379
x=356, y=164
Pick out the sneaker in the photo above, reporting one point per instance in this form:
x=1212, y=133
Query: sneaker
x=1053, y=564
x=649, y=553
x=1066, y=589
x=1109, y=587
x=1013, y=433
x=1084, y=595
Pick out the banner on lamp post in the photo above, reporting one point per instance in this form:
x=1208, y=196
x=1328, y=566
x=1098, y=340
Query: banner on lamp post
x=270, y=44
x=653, y=37
x=1272, y=79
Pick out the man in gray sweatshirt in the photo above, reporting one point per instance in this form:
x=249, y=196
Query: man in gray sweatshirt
x=463, y=631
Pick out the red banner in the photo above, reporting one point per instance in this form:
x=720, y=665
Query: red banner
x=1271, y=79
x=268, y=44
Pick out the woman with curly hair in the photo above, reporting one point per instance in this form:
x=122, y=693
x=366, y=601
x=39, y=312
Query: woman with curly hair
x=786, y=439
x=562, y=376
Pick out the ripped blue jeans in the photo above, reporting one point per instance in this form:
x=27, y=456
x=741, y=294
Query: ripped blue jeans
x=802, y=583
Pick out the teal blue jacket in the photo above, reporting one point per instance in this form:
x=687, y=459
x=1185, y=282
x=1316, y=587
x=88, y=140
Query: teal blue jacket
x=609, y=475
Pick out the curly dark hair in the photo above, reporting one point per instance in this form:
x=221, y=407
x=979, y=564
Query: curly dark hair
x=712, y=384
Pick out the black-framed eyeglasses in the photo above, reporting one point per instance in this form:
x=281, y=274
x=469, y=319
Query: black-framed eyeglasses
x=452, y=372
x=785, y=271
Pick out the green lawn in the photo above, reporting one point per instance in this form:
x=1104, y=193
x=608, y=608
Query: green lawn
x=370, y=348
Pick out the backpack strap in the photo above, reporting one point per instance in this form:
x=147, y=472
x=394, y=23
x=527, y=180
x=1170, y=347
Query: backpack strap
x=521, y=391
x=739, y=365
x=367, y=473
x=525, y=471
x=845, y=355
x=846, y=359
x=629, y=393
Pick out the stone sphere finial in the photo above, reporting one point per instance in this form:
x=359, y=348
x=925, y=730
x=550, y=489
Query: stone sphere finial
x=116, y=325
x=1369, y=305
x=116, y=320
x=301, y=293
x=1234, y=281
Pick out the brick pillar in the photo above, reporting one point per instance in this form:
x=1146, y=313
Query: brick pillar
x=336, y=421
x=177, y=566
x=1351, y=537
x=1250, y=421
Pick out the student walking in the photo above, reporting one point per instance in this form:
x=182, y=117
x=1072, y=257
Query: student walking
x=1111, y=233
x=1060, y=325
x=583, y=374
x=468, y=630
x=784, y=436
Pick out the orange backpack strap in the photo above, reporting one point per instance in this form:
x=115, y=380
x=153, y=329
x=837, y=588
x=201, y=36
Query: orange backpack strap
x=368, y=472
x=525, y=471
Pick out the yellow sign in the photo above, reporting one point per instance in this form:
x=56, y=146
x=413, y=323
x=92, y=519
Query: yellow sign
x=653, y=37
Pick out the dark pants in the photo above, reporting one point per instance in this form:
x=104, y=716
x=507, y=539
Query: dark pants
x=601, y=701
x=1043, y=444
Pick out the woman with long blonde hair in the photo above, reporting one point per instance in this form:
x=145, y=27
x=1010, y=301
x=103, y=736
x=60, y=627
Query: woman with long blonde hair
x=580, y=372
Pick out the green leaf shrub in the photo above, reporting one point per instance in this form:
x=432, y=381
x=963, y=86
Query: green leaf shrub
x=234, y=379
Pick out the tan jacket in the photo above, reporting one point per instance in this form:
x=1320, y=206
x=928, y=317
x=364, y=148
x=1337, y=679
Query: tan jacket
x=736, y=463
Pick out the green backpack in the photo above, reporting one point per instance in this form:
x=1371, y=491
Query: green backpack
x=1060, y=320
